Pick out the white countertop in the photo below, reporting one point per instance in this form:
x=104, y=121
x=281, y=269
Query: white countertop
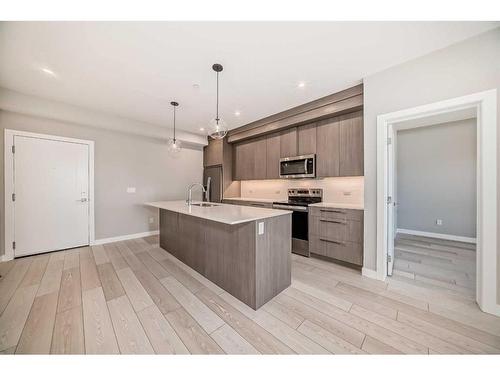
x=347, y=206
x=222, y=213
x=263, y=200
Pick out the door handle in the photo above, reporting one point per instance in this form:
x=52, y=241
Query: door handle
x=82, y=200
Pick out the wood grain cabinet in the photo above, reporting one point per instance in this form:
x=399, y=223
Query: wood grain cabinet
x=306, y=137
x=351, y=160
x=327, y=148
x=212, y=153
x=336, y=234
x=288, y=143
x=273, y=145
x=337, y=143
x=250, y=159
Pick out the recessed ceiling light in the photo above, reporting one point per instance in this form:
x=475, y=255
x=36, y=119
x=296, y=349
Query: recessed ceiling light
x=202, y=129
x=301, y=85
x=237, y=113
x=48, y=72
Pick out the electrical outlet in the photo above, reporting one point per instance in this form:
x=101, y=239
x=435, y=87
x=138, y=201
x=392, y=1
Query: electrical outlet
x=131, y=190
x=439, y=222
x=151, y=220
x=261, y=227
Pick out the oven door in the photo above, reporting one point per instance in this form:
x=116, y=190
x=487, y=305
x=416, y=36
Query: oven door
x=298, y=167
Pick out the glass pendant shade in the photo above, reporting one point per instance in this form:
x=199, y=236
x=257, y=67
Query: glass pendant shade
x=217, y=129
x=174, y=146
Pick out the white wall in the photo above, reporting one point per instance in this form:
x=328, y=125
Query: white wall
x=335, y=189
x=436, y=178
x=464, y=68
x=121, y=160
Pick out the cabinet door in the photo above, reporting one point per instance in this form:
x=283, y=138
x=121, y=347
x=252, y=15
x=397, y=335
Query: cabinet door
x=288, y=143
x=273, y=155
x=351, y=145
x=327, y=148
x=259, y=151
x=243, y=161
x=212, y=153
x=307, y=139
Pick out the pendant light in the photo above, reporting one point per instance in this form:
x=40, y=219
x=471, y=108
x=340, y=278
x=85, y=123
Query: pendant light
x=217, y=128
x=173, y=144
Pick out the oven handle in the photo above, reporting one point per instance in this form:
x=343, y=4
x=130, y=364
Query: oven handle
x=291, y=208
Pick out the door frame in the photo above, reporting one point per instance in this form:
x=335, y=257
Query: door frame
x=9, y=184
x=485, y=104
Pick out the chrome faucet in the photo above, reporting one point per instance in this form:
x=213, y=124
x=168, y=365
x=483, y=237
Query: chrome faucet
x=190, y=188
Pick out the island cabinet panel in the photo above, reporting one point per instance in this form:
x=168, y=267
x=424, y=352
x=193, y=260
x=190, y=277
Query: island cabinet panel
x=288, y=143
x=250, y=266
x=169, y=232
x=327, y=148
x=351, y=145
x=307, y=139
x=273, y=142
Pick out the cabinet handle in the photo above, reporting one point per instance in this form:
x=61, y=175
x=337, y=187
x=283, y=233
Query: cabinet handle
x=335, y=211
x=333, y=221
x=257, y=205
x=332, y=241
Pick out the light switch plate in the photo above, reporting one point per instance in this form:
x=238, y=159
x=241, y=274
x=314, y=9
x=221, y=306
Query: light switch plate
x=261, y=227
x=131, y=190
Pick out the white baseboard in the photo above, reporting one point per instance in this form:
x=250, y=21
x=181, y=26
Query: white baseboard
x=370, y=273
x=102, y=241
x=5, y=258
x=437, y=235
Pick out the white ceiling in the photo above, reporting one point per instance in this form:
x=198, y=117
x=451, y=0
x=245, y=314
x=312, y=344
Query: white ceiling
x=134, y=69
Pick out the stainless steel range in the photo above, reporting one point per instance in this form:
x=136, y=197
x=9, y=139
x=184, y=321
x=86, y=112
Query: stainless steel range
x=298, y=201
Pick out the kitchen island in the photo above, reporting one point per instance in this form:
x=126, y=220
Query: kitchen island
x=244, y=250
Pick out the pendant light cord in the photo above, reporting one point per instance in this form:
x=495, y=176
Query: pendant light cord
x=174, y=124
x=217, y=105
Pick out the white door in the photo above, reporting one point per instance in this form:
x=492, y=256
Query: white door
x=391, y=204
x=51, y=187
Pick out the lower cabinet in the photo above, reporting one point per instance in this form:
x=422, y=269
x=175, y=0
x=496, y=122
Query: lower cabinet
x=337, y=234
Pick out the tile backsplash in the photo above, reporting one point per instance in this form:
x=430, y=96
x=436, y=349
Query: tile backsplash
x=335, y=189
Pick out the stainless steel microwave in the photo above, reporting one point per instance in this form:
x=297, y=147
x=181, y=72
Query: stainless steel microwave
x=303, y=166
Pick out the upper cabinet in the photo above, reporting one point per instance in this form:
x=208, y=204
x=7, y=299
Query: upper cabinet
x=306, y=137
x=330, y=127
x=250, y=159
x=212, y=153
x=288, y=142
x=351, y=145
x=327, y=148
x=273, y=152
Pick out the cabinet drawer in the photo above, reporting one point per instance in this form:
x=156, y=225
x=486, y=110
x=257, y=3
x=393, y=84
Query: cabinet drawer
x=336, y=229
x=345, y=251
x=336, y=213
x=316, y=246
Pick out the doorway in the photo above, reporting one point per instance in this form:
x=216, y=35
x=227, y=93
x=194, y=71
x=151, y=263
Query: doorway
x=484, y=108
x=434, y=203
x=49, y=193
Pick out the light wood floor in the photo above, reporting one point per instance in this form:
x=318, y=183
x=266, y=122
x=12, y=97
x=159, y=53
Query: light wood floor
x=133, y=297
x=441, y=263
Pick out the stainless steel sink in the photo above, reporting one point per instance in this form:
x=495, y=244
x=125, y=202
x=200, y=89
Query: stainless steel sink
x=204, y=204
